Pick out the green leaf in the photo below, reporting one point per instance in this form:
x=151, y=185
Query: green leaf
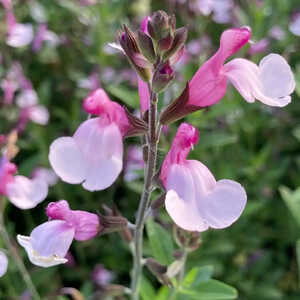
x=146, y=289
x=161, y=242
x=292, y=201
x=163, y=294
x=197, y=275
x=126, y=95
x=209, y=290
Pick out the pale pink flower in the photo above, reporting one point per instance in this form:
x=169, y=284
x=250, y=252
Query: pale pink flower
x=3, y=263
x=91, y=82
x=46, y=175
x=134, y=163
x=259, y=47
x=102, y=276
x=21, y=191
x=294, y=26
x=277, y=33
x=20, y=35
x=44, y=35
x=271, y=82
x=195, y=200
x=94, y=155
x=49, y=243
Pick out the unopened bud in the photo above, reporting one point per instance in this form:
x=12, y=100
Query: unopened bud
x=162, y=78
x=137, y=125
x=186, y=239
x=137, y=60
x=146, y=46
x=112, y=224
x=158, y=26
x=165, y=44
x=158, y=270
x=180, y=37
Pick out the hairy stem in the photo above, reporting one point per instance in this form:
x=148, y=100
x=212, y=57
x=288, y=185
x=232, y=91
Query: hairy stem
x=17, y=259
x=152, y=140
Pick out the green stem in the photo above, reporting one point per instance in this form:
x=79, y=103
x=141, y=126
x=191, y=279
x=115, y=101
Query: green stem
x=152, y=140
x=17, y=259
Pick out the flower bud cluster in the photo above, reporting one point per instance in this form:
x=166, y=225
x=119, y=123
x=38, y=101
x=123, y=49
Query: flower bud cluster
x=154, y=49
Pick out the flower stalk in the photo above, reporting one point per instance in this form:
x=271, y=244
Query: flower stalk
x=152, y=141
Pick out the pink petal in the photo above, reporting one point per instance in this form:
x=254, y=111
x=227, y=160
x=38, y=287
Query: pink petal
x=48, y=243
x=181, y=200
x=102, y=149
x=271, y=83
x=224, y=205
x=20, y=35
x=52, y=238
x=144, y=95
x=39, y=114
x=25, y=193
x=87, y=225
x=27, y=98
x=67, y=160
x=209, y=84
x=59, y=210
x=3, y=263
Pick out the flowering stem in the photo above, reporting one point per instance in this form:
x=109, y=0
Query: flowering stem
x=17, y=259
x=152, y=140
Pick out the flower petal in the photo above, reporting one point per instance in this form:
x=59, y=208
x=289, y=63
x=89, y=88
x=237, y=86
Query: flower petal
x=271, y=83
x=25, y=193
x=224, y=204
x=20, y=35
x=41, y=261
x=102, y=148
x=52, y=238
x=181, y=200
x=3, y=263
x=67, y=160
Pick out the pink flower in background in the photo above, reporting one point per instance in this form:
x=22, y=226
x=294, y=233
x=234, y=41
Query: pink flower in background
x=94, y=155
x=295, y=24
x=21, y=191
x=195, y=200
x=3, y=263
x=44, y=35
x=91, y=83
x=134, y=163
x=49, y=243
x=271, y=82
x=221, y=10
x=102, y=276
x=46, y=175
x=259, y=47
x=277, y=33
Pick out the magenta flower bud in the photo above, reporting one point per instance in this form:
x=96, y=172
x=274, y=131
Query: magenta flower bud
x=162, y=77
x=259, y=47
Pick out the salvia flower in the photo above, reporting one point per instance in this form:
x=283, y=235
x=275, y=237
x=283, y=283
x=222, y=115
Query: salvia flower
x=21, y=191
x=195, y=200
x=270, y=82
x=49, y=243
x=94, y=154
x=3, y=263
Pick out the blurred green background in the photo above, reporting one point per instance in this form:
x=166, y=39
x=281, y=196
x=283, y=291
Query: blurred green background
x=258, y=146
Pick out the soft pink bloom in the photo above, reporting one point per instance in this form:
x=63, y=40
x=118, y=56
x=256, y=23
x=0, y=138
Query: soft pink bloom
x=44, y=35
x=220, y=9
x=94, y=155
x=21, y=191
x=259, y=47
x=295, y=24
x=20, y=35
x=49, y=243
x=195, y=200
x=134, y=163
x=90, y=83
x=102, y=276
x=277, y=33
x=9, y=87
x=46, y=175
x=3, y=263
x=271, y=82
